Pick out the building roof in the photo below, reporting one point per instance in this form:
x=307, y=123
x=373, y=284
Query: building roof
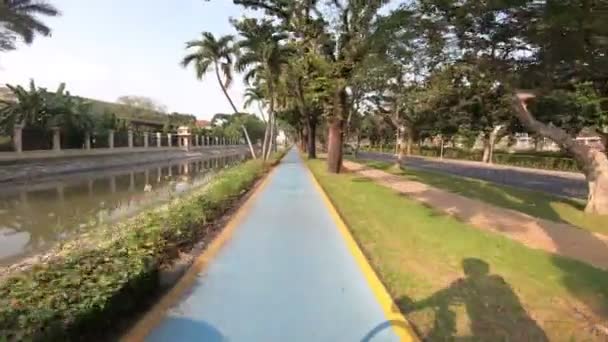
x=203, y=123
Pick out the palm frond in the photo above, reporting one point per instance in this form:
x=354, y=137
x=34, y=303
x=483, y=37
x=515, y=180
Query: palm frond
x=188, y=59
x=19, y=17
x=201, y=67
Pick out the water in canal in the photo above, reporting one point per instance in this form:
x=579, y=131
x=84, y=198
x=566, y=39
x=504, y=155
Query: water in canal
x=35, y=216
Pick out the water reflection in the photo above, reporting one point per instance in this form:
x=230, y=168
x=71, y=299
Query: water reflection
x=35, y=216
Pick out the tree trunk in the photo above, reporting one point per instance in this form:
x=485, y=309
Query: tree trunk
x=441, y=148
x=304, y=139
x=271, y=135
x=493, y=138
x=249, y=142
x=358, y=145
x=265, y=142
x=410, y=143
x=236, y=111
x=401, y=143
x=486, y=148
x=312, y=134
x=334, y=154
x=275, y=130
x=593, y=162
x=336, y=123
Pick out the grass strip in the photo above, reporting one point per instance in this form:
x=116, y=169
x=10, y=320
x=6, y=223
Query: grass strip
x=454, y=281
x=534, y=203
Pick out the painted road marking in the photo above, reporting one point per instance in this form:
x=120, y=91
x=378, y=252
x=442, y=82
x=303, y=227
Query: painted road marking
x=393, y=315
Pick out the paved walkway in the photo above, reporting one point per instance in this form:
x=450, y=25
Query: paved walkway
x=289, y=272
x=537, y=233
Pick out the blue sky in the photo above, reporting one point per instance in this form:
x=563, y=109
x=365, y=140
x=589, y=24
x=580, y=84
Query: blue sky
x=107, y=48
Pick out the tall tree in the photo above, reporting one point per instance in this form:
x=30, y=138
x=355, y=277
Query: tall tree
x=345, y=37
x=555, y=48
x=142, y=102
x=254, y=94
x=262, y=58
x=217, y=54
x=19, y=19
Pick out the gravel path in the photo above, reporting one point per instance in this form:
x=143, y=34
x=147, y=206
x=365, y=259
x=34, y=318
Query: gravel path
x=556, y=183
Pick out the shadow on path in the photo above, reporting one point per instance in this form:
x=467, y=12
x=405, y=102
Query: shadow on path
x=494, y=310
x=177, y=329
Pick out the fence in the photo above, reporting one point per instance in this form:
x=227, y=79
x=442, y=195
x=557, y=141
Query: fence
x=121, y=139
x=38, y=139
x=100, y=140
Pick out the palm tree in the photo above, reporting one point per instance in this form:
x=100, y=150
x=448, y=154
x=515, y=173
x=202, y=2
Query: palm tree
x=18, y=18
x=29, y=107
x=254, y=94
x=262, y=57
x=211, y=53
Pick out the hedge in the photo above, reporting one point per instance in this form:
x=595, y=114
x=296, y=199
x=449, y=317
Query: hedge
x=99, y=280
x=538, y=160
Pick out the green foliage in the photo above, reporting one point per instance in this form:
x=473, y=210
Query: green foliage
x=573, y=110
x=39, y=108
x=231, y=126
x=130, y=113
x=142, y=102
x=18, y=19
x=101, y=278
x=211, y=52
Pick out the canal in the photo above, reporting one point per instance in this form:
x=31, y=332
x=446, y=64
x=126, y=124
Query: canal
x=35, y=216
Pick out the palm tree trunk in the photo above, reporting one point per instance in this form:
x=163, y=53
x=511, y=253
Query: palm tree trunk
x=266, y=133
x=271, y=142
x=236, y=111
x=219, y=80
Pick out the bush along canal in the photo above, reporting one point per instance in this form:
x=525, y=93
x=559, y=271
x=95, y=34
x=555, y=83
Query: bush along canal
x=96, y=282
x=35, y=216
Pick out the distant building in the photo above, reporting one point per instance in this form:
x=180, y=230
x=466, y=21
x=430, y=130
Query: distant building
x=6, y=94
x=524, y=142
x=203, y=123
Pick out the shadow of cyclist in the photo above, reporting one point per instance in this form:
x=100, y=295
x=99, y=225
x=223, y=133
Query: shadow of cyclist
x=494, y=310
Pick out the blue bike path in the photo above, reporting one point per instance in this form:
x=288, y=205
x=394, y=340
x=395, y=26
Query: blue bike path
x=288, y=272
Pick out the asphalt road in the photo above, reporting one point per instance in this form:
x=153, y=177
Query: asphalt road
x=533, y=180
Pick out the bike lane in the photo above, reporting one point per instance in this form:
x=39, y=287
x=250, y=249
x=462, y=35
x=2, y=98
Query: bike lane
x=290, y=271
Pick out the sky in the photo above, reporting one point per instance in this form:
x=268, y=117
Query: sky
x=104, y=49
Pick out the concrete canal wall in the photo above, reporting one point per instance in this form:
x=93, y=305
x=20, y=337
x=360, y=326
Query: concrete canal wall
x=21, y=167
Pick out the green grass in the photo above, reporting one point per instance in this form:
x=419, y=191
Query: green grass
x=533, y=203
x=510, y=292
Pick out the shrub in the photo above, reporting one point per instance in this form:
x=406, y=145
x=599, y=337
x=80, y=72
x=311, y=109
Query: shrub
x=99, y=279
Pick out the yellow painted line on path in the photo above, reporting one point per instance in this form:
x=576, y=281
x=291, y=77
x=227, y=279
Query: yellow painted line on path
x=400, y=325
x=158, y=312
